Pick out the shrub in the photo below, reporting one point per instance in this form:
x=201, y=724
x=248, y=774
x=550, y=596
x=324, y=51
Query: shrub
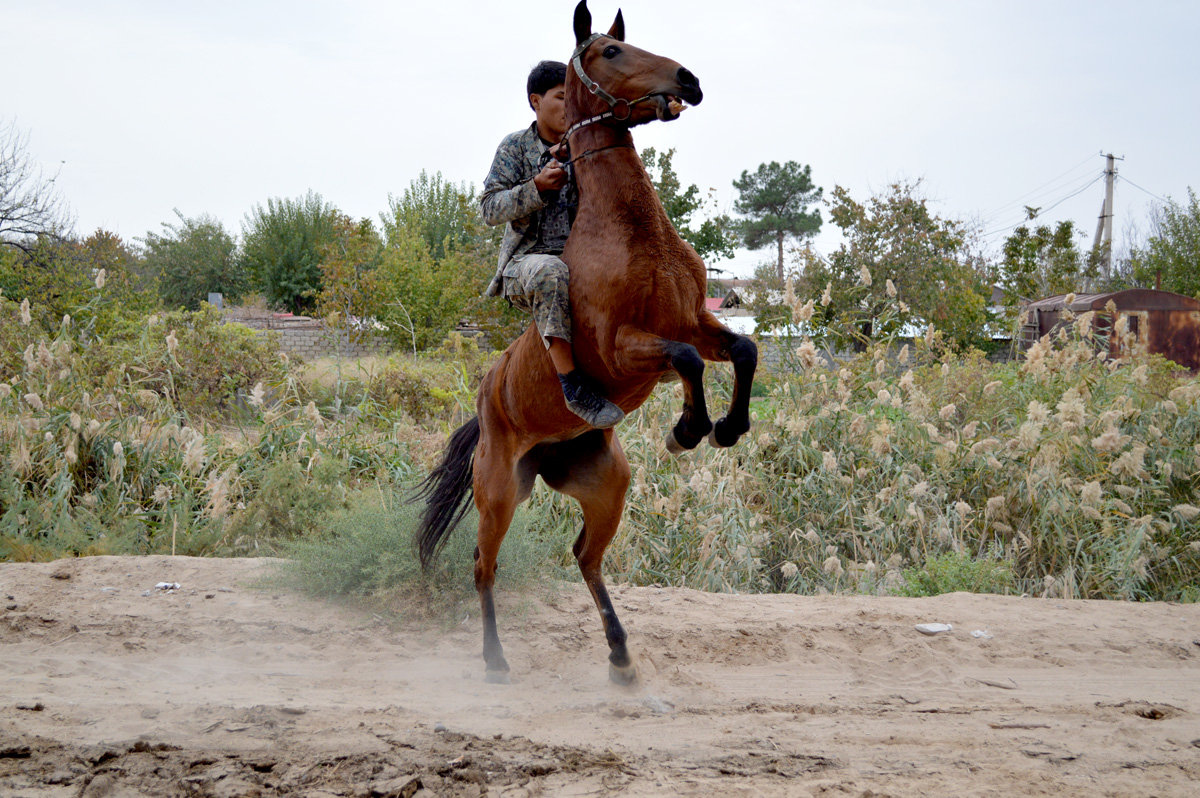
x=952, y=572
x=290, y=502
x=367, y=551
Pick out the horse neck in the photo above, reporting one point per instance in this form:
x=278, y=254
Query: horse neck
x=612, y=180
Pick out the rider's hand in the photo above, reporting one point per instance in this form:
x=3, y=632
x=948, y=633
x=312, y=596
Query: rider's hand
x=551, y=178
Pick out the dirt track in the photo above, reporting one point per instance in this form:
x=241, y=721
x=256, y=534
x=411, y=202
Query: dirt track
x=223, y=689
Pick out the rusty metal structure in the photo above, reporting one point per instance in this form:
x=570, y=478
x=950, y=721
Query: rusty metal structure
x=1140, y=321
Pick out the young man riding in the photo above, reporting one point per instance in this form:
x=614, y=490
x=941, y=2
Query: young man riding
x=530, y=190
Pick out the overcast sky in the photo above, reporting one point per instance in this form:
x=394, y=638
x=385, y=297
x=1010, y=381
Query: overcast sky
x=214, y=107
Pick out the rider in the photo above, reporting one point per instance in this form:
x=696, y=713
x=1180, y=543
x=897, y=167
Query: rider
x=528, y=188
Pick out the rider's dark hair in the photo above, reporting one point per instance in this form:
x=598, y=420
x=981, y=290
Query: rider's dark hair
x=545, y=76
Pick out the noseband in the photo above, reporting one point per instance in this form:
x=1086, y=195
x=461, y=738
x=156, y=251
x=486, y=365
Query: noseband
x=618, y=108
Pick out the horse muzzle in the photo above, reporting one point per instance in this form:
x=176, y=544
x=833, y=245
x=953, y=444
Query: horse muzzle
x=686, y=93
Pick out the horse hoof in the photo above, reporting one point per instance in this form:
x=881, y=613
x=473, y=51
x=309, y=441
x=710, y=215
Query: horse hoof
x=497, y=677
x=723, y=434
x=623, y=676
x=673, y=445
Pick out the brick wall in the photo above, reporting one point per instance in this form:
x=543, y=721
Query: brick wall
x=311, y=339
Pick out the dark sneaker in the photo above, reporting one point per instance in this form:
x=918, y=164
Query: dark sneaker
x=584, y=400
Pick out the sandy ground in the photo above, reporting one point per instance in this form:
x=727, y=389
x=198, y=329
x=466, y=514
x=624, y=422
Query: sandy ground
x=110, y=687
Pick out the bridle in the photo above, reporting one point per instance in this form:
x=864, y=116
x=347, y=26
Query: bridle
x=618, y=108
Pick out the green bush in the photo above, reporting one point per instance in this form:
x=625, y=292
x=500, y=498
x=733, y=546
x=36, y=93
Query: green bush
x=290, y=502
x=954, y=572
x=440, y=385
x=97, y=281
x=367, y=551
x=213, y=365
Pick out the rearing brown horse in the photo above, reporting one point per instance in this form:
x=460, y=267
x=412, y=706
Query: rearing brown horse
x=637, y=306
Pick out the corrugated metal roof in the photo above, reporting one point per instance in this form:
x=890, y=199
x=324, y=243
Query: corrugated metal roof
x=1129, y=299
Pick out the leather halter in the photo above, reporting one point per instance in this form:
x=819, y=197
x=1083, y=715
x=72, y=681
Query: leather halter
x=614, y=103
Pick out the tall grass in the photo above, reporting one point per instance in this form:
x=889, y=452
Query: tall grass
x=182, y=436
x=905, y=467
x=1081, y=475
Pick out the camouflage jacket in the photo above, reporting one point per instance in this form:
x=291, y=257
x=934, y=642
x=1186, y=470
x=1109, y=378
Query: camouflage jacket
x=537, y=221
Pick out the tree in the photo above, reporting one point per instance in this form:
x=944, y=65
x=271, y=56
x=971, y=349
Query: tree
x=712, y=238
x=442, y=214
x=192, y=259
x=420, y=298
x=350, y=291
x=1172, y=252
x=96, y=281
x=899, y=263
x=774, y=200
x=282, y=246
x=30, y=205
x=1041, y=262
x=459, y=248
x=768, y=298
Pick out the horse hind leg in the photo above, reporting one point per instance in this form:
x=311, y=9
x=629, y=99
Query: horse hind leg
x=621, y=668
x=498, y=489
x=593, y=470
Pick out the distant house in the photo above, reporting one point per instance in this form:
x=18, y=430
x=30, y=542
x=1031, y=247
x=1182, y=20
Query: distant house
x=1158, y=322
x=731, y=301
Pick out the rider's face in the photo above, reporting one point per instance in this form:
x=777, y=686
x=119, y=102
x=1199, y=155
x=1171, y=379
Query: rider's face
x=551, y=110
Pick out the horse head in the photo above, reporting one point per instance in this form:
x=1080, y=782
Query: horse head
x=635, y=86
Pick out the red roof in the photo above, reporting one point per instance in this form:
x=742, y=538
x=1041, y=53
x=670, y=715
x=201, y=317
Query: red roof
x=713, y=302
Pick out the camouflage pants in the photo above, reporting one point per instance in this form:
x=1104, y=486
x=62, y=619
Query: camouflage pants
x=537, y=284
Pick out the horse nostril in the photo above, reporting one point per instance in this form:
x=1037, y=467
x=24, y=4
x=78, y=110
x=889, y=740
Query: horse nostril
x=686, y=78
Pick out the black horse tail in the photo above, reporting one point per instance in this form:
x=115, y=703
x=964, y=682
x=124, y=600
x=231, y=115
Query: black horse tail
x=446, y=491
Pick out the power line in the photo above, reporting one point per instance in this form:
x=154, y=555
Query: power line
x=1124, y=179
x=1024, y=197
x=1042, y=211
x=1052, y=197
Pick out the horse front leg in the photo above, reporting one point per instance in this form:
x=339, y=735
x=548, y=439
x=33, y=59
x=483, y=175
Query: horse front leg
x=715, y=341
x=640, y=352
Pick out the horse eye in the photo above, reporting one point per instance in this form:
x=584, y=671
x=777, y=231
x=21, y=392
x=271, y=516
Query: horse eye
x=611, y=51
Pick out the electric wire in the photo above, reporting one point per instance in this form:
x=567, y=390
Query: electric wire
x=1035, y=191
x=1042, y=211
x=1051, y=200
x=1124, y=179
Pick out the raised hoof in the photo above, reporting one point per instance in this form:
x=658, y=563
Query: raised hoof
x=674, y=447
x=497, y=677
x=623, y=676
x=721, y=437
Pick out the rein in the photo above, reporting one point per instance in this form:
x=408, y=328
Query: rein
x=586, y=153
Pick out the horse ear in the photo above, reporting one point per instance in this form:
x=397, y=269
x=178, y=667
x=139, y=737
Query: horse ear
x=583, y=22
x=617, y=31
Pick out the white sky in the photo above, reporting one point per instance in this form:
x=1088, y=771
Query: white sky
x=215, y=107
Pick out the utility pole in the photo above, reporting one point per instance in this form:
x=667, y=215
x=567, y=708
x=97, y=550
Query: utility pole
x=1104, y=225
x=1110, y=177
